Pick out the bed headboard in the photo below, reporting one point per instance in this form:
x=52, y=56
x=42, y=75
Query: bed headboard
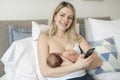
x=4, y=35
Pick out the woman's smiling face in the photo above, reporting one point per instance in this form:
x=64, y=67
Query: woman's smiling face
x=63, y=19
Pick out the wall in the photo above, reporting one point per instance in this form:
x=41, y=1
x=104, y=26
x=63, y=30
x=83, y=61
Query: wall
x=42, y=9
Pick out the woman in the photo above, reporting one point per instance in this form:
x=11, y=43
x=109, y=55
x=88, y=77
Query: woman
x=61, y=36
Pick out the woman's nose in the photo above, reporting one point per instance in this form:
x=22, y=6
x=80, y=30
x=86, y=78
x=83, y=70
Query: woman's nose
x=66, y=19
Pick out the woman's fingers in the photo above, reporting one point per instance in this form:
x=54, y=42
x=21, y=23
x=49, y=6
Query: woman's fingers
x=81, y=56
x=84, y=62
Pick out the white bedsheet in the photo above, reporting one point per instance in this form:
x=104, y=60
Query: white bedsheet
x=19, y=61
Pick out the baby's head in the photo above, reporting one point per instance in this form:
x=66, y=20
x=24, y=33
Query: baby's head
x=54, y=60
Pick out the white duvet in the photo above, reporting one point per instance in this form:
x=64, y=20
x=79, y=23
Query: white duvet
x=20, y=63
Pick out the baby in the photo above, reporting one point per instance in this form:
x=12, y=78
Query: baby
x=55, y=59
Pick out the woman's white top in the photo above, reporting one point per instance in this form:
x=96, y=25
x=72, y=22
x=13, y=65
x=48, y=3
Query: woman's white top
x=74, y=74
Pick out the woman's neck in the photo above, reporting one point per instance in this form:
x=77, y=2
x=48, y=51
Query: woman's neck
x=60, y=34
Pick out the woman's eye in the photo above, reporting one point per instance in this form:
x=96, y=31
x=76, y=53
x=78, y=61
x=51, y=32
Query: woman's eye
x=62, y=15
x=70, y=17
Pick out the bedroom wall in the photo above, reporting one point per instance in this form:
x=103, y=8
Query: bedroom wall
x=42, y=9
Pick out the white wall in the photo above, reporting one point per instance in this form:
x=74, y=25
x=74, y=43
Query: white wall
x=42, y=9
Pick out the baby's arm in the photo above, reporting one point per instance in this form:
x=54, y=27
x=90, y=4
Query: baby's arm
x=70, y=51
x=66, y=62
x=71, y=55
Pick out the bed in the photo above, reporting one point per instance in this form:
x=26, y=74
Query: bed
x=19, y=36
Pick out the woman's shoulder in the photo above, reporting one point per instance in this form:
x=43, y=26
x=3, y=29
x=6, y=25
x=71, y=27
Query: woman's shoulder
x=43, y=36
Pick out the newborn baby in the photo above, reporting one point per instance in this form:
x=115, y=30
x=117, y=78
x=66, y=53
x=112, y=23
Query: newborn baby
x=55, y=59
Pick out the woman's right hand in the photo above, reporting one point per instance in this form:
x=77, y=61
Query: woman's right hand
x=83, y=63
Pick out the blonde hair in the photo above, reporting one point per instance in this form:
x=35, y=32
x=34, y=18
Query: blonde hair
x=71, y=32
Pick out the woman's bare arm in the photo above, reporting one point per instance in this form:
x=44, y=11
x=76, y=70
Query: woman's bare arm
x=43, y=51
x=96, y=60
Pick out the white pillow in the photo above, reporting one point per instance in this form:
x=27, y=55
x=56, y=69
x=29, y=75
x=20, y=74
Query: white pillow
x=102, y=28
x=77, y=28
x=88, y=34
x=37, y=29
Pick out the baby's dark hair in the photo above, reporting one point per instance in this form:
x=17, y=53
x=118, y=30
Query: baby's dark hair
x=54, y=60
